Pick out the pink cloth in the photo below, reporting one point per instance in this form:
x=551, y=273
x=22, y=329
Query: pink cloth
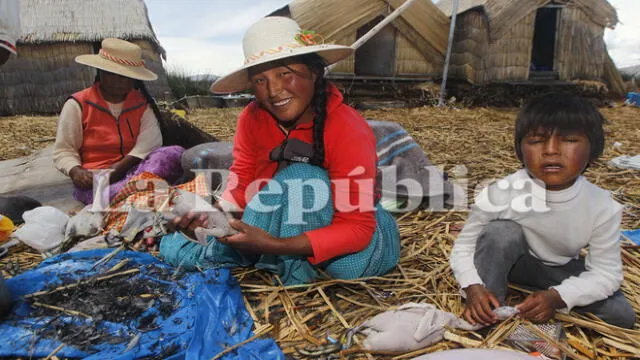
x=164, y=162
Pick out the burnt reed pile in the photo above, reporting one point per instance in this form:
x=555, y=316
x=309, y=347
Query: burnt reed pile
x=77, y=312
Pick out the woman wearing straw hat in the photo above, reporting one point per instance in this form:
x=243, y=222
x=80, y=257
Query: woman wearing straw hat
x=113, y=125
x=304, y=168
x=9, y=28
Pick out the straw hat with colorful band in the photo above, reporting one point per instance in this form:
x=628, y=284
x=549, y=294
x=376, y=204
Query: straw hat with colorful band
x=9, y=46
x=275, y=38
x=119, y=57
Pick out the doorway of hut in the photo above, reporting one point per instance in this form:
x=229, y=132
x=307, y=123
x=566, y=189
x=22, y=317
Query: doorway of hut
x=544, y=44
x=376, y=56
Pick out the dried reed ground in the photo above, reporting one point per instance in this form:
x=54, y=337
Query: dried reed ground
x=480, y=139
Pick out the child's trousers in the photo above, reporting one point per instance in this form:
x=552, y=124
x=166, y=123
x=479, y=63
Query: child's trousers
x=502, y=256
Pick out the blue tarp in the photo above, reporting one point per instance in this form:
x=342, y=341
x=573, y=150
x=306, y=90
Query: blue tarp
x=633, y=99
x=633, y=235
x=206, y=316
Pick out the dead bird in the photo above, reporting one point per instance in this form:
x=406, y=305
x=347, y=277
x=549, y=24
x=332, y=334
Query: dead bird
x=84, y=225
x=12, y=267
x=218, y=220
x=132, y=343
x=331, y=347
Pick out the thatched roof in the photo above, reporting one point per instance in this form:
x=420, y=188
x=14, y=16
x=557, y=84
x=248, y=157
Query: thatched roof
x=446, y=6
x=503, y=14
x=48, y=21
x=332, y=18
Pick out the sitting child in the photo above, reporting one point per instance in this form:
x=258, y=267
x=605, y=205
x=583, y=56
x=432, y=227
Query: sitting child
x=530, y=227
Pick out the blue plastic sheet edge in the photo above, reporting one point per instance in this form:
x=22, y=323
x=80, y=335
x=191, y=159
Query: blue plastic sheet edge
x=632, y=235
x=633, y=98
x=209, y=315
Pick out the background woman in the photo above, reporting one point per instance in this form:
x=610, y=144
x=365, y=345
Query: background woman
x=113, y=125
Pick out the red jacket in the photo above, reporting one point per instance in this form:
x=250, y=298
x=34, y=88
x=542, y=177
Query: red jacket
x=105, y=139
x=349, y=144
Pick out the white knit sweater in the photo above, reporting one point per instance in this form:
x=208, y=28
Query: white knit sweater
x=582, y=215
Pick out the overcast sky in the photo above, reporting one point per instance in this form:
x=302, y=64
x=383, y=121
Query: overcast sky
x=205, y=36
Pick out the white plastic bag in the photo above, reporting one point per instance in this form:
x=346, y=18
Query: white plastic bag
x=43, y=229
x=626, y=162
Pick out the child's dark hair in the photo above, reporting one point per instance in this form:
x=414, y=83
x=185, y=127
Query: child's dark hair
x=563, y=112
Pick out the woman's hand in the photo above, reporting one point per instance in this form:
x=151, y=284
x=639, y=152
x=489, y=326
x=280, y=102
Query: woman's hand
x=188, y=223
x=121, y=167
x=540, y=306
x=478, y=308
x=81, y=177
x=251, y=239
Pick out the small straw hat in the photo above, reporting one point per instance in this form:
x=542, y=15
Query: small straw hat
x=276, y=38
x=119, y=57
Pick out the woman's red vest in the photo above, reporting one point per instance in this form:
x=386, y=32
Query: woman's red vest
x=105, y=138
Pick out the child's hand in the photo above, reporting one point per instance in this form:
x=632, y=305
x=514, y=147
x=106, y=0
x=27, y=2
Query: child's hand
x=541, y=305
x=478, y=308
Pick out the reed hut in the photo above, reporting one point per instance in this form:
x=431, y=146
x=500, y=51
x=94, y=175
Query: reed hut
x=529, y=40
x=411, y=47
x=53, y=33
x=631, y=72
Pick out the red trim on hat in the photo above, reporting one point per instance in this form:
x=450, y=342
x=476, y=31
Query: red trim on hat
x=117, y=60
x=9, y=45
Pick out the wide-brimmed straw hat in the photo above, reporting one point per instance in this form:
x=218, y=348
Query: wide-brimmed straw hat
x=276, y=38
x=119, y=57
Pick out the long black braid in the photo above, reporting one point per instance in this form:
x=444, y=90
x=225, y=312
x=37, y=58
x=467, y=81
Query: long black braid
x=319, y=105
x=152, y=102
